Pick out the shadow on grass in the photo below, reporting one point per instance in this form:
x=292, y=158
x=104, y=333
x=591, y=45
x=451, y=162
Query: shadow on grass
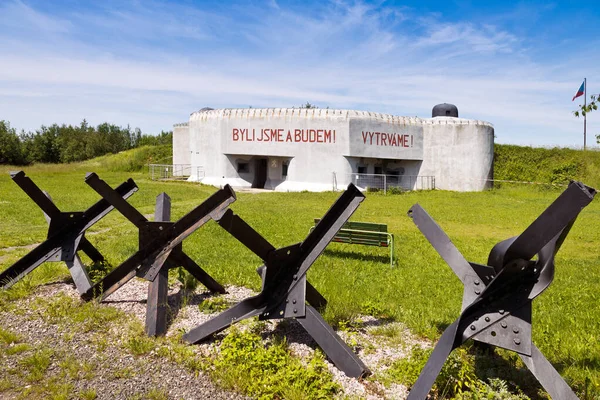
x=441, y=326
x=292, y=331
x=490, y=364
x=357, y=256
x=377, y=322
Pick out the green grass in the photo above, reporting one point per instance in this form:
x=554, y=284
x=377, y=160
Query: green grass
x=556, y=165
x=420, y=291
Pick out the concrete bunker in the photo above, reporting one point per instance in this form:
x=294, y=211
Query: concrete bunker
x=287, y=149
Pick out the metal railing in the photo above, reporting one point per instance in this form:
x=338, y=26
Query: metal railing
x=174, y=171
x=377, y=182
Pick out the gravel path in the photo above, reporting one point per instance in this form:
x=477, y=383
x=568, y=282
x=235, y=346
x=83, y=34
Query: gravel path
x=151, y=372
x=116, y=373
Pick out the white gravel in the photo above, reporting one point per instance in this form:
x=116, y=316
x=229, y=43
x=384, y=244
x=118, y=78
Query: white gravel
x=376, y=351
x=145, y=372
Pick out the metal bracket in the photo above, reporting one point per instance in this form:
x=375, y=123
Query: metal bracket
x=160, y=241
x=66, y=235
x=285, y=289
x=497, y=299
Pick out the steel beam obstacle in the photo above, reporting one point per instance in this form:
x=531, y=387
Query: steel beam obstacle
x=156, y=306
x=497, y=298
x=285, y=289
x=159, y=249
x=66, y=234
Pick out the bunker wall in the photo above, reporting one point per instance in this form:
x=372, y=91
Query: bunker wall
x=459, y=153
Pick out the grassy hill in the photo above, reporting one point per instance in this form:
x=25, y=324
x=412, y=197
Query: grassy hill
x=557, y=165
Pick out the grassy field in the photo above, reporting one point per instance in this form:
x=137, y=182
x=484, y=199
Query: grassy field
x=421, y=291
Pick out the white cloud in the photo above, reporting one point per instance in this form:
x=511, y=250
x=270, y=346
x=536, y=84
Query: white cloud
x=162, y=63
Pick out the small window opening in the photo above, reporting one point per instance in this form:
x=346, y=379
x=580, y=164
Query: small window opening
x=284, y=169
x=243, y=167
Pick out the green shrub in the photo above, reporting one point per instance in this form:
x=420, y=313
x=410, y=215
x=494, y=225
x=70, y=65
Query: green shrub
x=563, y=173
x=457, y=375
x=495, y=389
x=187, y=280
x=394, y=190
x=246, y=365
x=214, y=305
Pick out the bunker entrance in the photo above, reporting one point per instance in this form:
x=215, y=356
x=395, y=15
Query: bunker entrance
x=260, y=173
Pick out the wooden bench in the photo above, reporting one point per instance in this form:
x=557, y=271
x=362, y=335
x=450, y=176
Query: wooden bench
x=365, y=233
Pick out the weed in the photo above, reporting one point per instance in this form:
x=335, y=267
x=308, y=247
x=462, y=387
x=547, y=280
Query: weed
x=182, y=354
x=88, y=394
x=16, y=292
x=246, y=365
x=393, y=334
x=77, y=370
x=81, y=317
x=37, y=364
x=5, y=385
x=213, y=305
x=98, y=270
x=8, y=338
x=51, y=388
x=17, y=349
x=495, y=389
x=139, y=345
x=376, y=309
x=100, y=341
x=156, y=394
x=395, y=190
x=187, y=280
x=123, y=373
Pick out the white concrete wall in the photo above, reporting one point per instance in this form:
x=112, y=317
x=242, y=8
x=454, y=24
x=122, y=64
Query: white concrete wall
x=181, y=144
x=459, y=153
x=318, y=142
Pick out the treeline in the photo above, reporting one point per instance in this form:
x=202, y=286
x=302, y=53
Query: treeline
x=68, y=143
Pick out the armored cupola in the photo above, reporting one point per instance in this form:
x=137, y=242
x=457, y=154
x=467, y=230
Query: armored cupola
x=444, y=110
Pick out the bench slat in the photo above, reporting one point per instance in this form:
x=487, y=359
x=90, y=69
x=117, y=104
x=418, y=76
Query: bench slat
x=365, y=233
x=362, y=226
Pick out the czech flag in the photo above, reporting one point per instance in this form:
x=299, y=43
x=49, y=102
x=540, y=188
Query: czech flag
x=580, y=91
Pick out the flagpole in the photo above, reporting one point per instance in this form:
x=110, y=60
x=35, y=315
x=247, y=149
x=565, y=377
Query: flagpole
x=584, y=106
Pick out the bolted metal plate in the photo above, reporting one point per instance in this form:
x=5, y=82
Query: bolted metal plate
x=511, y=333
x=150, y=230
x=62, y=220
x=294, y=306
x=473, y=288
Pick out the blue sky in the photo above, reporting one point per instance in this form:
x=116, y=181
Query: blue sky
x=152, y=63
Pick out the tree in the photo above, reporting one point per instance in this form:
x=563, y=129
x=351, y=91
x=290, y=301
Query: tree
x=11, y=151
x=308, y=105
x=583, y=110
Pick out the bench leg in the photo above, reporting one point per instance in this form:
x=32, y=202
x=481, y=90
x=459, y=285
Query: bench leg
x=392, y=250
